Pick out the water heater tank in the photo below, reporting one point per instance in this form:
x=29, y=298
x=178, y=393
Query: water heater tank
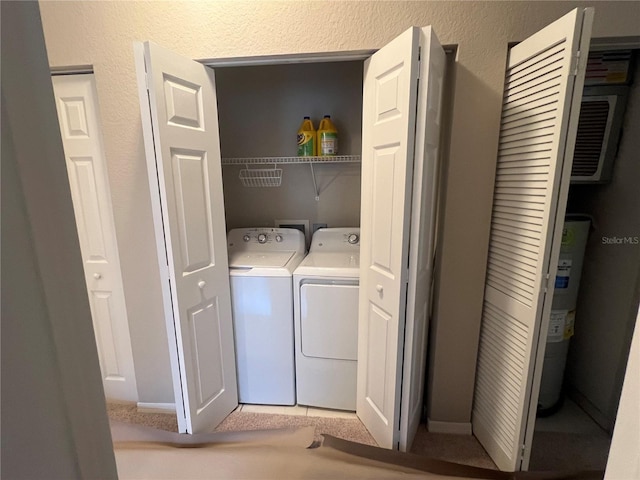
x=563, y=310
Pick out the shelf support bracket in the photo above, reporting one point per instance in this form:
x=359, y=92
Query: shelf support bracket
x=315, y=184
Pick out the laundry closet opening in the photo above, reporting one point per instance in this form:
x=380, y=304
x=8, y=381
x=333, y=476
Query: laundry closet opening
x=260, y=109
x=189, y=143
x=267, y=185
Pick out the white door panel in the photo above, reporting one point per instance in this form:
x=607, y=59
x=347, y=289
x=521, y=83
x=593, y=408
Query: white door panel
x=183, y=153
x=389, y=110
x=543, y=86
x=422, y=239
x=77, y=106
x=400, y=150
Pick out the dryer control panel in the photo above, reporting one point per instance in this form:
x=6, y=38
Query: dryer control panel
x=336, y=240
x=266, y=239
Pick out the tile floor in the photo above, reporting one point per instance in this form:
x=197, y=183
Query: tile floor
x=297, y=410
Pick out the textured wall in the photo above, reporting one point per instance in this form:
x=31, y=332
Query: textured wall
x=100, y=34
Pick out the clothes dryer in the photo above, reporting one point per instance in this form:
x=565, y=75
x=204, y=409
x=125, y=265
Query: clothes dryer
x=326, y=320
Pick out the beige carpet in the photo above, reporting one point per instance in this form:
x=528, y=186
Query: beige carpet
x=289, y=431
x=347, y=429
x=149, y=453
x=128, y=413
x=463, y=449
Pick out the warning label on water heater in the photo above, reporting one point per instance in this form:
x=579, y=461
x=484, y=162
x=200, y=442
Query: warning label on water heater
x=563, y=274
x=556, y=325
x=561, y=325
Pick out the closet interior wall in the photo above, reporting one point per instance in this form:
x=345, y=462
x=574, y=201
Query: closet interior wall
x=610, y=286
x=260, y=109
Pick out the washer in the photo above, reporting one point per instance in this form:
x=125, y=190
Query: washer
x=261, y=264
x=326, y=320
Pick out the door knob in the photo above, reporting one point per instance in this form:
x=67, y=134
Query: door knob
x=97, y=276
x=201, y=284
x=379, y=289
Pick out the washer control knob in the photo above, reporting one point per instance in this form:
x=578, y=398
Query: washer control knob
x=353, y=238
x=278, y=238
x=246, y=238
x=262, y=238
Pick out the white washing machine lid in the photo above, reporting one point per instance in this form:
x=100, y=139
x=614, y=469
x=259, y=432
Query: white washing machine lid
x=259, y=259
x=330, y=264
x=263, y=264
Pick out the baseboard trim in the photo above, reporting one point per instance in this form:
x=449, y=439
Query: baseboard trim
x=145, y=407
x=435, y=426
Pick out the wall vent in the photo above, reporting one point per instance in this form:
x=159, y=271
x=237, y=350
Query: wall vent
x=598, y=133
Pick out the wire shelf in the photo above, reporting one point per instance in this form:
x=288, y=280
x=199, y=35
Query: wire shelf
x=261, y=177
x=291, y=160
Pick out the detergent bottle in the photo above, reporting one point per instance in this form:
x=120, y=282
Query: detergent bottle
x=307, y=139
x=327, y=137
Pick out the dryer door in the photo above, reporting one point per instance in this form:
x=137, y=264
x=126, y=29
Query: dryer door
x=329, y=320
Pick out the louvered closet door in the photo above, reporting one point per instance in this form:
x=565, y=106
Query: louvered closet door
x=543, y=86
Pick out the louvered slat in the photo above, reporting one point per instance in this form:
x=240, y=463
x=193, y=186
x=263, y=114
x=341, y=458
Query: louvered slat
x=527, y=128
x=540, y=80
x=501, y=361
x=543, y=86
x=530, y=67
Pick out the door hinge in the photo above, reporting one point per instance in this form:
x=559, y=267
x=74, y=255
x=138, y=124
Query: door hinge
x=522, y=452
x=419, y=61
x=575, y=62
x=146, y=81
x=546, y=282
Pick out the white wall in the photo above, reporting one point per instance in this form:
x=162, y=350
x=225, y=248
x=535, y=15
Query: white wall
x=610, y=285
x=54, y=422
x=100, y=34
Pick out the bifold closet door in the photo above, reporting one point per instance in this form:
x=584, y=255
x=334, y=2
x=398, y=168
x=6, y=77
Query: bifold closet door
x=400, y=138
x=542, y=94
x=180, y=124
x=77, y=105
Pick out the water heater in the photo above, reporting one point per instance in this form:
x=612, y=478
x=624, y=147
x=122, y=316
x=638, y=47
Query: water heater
x=563, y=310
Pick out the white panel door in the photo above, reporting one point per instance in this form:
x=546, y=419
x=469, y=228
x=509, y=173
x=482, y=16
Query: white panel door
x=77, y=105
x=389, y=113
x=422, y=239
x=183, y=152
x=543, y=88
